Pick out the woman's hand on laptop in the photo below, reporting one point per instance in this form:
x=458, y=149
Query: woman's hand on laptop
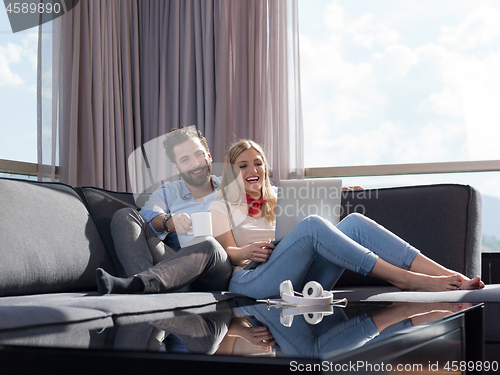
x=258, y=251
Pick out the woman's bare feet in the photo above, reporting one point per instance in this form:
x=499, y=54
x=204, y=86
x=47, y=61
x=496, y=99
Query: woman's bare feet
x=422, y=264
x=470, y=284
x=424, y=283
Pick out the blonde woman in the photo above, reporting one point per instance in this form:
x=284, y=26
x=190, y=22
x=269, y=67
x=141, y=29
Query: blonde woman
x=244, y=216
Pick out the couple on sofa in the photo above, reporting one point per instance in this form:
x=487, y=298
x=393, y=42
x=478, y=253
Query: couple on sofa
x=243, y=216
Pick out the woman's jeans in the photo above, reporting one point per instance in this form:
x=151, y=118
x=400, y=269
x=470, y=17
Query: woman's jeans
x=317, y=250
x=334, y=333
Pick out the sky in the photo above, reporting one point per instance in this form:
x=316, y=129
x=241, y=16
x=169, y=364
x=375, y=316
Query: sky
x=400, y=84
x=386, y=81
x=401, y=81
x=18, y=54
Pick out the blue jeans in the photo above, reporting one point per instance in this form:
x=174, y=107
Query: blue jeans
x=317, y=250
x=334, y=333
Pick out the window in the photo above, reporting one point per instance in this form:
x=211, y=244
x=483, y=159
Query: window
x=18, y=104
x=481, y=181
x=398, y=81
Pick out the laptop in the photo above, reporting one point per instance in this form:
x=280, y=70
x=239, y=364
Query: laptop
x=298, y=199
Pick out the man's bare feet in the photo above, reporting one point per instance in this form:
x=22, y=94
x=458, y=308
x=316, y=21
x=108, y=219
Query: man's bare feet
x=470, y=284
x=424, y=283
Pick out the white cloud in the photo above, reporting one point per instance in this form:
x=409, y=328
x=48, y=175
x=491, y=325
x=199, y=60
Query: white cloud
x=471, y=92
x=30, y=49
x=388, y=143
x=461, y=89
x=447, y=102
x=366, y=32
x=396, y=60
x=334, y=18
x=345, y=107
x=352, y=147
x=429, y=143
x=479, y=27
x=480, y=88
x=13, y=54
x=9, y=54
x=346, y=87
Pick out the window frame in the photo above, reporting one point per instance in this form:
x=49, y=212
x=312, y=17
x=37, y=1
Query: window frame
x=404, y=169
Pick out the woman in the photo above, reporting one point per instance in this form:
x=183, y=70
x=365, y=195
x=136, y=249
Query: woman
x=244, y=216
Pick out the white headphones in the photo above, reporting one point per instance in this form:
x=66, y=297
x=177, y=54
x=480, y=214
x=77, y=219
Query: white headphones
x=313, y=314
x=312, y=294
x=314, y=304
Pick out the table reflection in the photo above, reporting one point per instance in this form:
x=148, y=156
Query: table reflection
x=340, y=331
x=252, y=329
x=261, y=330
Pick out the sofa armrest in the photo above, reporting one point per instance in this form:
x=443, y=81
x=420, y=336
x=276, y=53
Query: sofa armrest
x=442, y=221
x=48, y=242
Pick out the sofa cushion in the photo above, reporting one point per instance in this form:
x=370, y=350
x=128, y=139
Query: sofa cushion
x=48, y=242
x=490, y=293
x=102, y=205
x=442, y=221
x=16, y=317
x=125, y=306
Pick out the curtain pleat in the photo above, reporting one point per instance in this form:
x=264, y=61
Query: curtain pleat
x=254, y=57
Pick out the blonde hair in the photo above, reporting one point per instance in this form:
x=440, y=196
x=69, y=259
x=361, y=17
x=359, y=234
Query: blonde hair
x=229, y=189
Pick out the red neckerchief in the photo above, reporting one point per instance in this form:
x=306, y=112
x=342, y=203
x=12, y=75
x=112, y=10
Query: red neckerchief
x=255, y=204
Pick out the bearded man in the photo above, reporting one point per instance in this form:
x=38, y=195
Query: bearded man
x=143, y=240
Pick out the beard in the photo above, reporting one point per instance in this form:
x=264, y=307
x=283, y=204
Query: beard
x=199, y=179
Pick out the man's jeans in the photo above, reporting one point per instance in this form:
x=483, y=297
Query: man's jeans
x=317, y=250
x=203, y=264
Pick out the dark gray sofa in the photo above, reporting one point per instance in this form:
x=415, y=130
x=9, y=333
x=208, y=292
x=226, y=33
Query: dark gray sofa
x=53, y=237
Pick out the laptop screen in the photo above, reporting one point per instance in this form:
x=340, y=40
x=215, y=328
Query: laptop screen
x=298, y=199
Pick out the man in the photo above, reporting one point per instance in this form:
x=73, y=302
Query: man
x=151, y=266
x=169, y=208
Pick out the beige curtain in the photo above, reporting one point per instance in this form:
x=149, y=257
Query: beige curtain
x=117, y=74
x=258, y=81
x=92, y=113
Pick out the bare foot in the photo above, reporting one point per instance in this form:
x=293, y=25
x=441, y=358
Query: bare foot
x=425, y=283
x=470, y=284
x=450, y=307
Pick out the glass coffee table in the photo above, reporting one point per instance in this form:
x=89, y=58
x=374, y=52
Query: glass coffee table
x=242, y=336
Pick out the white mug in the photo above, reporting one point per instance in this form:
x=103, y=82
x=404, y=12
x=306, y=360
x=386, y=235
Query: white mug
x=202, y=224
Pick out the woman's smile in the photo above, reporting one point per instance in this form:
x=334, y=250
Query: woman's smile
x=252, y=168
x=253, y=179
